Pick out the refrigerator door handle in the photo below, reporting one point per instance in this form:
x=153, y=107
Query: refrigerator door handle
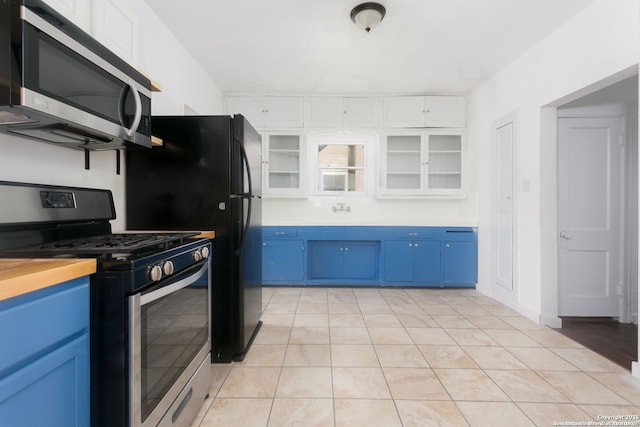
x=245, y=160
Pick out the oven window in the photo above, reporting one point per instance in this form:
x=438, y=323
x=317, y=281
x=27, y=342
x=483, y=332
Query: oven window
x=173, y=330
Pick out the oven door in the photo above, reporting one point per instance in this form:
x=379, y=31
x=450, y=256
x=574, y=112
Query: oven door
x=169, y=327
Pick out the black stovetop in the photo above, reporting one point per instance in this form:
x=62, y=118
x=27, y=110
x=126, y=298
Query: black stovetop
x=119, y=244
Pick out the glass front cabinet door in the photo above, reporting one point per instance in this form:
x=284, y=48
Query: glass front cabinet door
x=282, y=165
x=422, y=164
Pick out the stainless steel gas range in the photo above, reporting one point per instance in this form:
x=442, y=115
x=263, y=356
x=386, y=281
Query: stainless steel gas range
x=150, y=301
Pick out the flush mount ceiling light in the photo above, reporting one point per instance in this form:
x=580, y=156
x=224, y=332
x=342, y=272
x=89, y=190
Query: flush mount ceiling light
x=368, y=15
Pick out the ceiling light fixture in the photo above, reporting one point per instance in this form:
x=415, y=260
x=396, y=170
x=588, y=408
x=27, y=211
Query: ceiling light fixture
x=368, y=15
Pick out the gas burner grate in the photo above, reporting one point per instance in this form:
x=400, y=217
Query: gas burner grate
x=111, y=243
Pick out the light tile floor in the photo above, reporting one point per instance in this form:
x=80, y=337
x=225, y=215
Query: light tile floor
x=411, y=357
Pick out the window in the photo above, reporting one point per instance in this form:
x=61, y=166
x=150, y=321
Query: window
x=341, y=167
x=341, y=164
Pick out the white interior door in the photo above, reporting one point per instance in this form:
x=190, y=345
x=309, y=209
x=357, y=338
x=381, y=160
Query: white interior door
x=590, y=179
x=504, y=238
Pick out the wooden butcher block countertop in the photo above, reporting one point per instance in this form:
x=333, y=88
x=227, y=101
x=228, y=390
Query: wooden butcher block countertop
x=21, y=276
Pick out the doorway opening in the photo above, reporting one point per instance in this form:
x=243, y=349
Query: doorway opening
x=597, y=216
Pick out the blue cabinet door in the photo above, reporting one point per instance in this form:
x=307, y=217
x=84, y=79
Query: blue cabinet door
x=398, y=261
x=413, y=262
x=282, y=260
x=460, y=263
x=426, y=261
x=44, y=361
x=343, y=260
x=51, y=391
x=326, y=260
x=360, y=260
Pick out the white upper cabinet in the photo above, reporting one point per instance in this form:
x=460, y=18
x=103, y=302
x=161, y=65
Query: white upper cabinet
x=111, y=22
x=76, y=11
x=265, y=112
x=251, y=107
x=283, y=156
x=424, y=111
x=445, y=111
x=421, y=164
x=323, y=112
x=360, y=112
x=338, y=112
x=114, y=24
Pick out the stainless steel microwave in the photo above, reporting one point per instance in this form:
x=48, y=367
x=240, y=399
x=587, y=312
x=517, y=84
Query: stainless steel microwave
x=59, y=85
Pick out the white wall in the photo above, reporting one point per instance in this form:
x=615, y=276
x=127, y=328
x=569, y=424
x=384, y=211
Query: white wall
x=369, y=211
x=184, y=82
x=600, y=42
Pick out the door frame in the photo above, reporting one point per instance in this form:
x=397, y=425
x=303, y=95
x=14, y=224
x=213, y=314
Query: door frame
x=509, y=298
x=548, y=205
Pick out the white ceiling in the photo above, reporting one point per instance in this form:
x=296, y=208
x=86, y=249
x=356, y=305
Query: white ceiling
x=313, y=47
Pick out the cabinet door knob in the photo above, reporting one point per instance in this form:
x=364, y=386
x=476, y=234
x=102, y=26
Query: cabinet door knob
x=346, y=249
x=416, y=245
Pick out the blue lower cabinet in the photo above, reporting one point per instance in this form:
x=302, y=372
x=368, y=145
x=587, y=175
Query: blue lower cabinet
x=460, y=263
x=413, y=262
x=370, y=255
x=44, y=362
x=283, y=261
x=343, y=260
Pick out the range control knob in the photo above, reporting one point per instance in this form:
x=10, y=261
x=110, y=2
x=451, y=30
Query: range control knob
x=155, y=273
x=197, y=256
x=167, y=267
x=204, y=252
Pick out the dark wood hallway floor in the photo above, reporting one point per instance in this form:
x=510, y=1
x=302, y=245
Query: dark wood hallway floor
x=617, y=342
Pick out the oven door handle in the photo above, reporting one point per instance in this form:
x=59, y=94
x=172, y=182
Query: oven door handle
x=168, y=289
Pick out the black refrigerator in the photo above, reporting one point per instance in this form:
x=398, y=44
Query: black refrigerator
x=206, y=175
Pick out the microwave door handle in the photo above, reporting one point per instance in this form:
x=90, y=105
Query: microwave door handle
x=138, y=114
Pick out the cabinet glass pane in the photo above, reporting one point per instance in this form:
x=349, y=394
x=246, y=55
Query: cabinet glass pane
x=284, y=180
x=284, y=142
x=445, y=143
x=284, y=161
x=403, y=143
x=445, y=161
x=403, y=162
x=403, y=181
x=445, y=181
